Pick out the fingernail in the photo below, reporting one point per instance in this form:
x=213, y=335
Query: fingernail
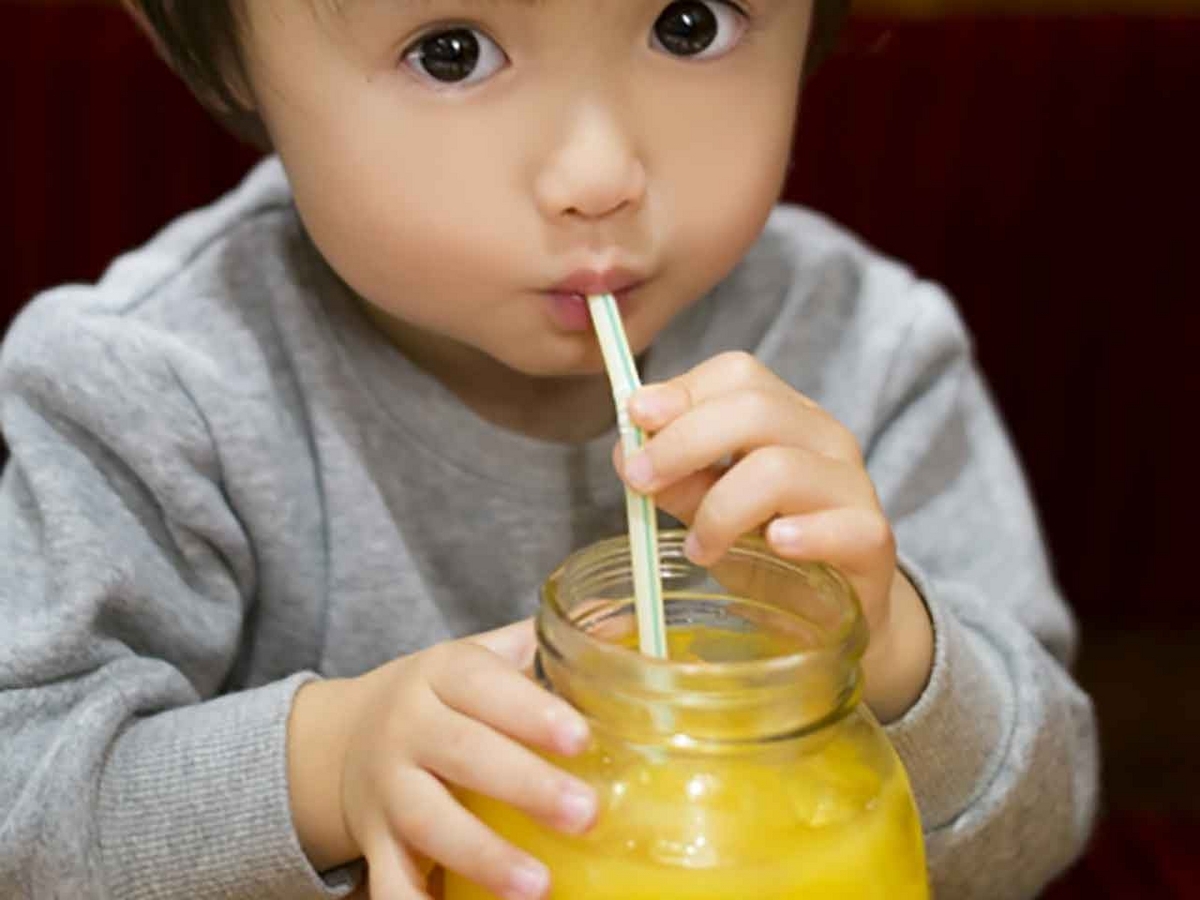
x=571, y=732
x=576, y=807
x=639, y=471
x=693, y=549
x=528, y=881
x=786, y=533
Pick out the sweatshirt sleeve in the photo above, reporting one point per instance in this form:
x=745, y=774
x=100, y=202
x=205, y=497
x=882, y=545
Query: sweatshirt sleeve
x=125, y=592
x=1001, y=747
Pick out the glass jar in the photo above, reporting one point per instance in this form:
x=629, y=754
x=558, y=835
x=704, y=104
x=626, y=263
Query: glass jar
x=742, y=767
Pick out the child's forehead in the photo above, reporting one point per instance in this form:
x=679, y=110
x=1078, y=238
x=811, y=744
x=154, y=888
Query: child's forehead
x=347, y=6
x=348, y=9
x=344, y=5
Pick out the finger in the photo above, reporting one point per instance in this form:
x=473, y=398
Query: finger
x=429, y=819
x=769, y=482
x=730, y=426
x=858, y=542
x=684, y=497
x=472, y=755
x=392, y=873
x=655, y=405
x=681, y=498
x=474, y=681
x=852, y=539
x=516, y=643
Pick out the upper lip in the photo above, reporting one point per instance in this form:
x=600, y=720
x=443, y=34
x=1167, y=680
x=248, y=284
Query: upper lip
x=588, y=282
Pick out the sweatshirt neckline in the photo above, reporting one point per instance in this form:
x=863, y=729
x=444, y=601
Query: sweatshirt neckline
x=432, y=420
x=439, y=424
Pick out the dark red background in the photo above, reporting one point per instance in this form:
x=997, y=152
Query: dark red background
x=1046, y=169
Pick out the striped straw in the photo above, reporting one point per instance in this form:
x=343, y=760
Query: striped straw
x=639, y=509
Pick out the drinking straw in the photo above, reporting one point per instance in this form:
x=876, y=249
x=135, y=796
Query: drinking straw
x=639, y=508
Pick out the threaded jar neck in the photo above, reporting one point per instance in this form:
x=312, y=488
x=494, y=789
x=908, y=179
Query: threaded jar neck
x=771, y=648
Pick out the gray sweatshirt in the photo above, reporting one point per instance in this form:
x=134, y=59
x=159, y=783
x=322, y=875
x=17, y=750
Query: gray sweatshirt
x=224, y=482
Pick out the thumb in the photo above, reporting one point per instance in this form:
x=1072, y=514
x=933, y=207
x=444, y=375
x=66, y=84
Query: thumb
x=516, y=643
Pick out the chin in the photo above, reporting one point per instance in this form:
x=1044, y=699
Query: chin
x=580, y=361
x=580, y=369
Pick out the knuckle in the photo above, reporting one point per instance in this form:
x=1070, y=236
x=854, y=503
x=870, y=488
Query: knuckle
x=877, y=532
x=739, y=367
x=713, y=517
x=408, y=700
x=544, y=788
x=418, y=824
x=843, y=443
x=675, y=453
x=681, y=393
x=456, y=753
x=436, y=660
x=524, y=779
x=495, y=852
x=488, y=859
x=774, y=465
x=471, y=675
x=683, y=449
x=460, y=669
x=760, y=408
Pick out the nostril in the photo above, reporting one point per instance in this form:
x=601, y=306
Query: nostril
x=603, y=211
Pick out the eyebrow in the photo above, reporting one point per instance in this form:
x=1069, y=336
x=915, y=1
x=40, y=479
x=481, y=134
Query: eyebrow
x=340, y=6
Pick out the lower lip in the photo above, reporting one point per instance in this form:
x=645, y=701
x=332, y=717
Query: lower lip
x=570, y=311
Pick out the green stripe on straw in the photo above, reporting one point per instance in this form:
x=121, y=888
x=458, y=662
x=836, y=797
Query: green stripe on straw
x=639, y=509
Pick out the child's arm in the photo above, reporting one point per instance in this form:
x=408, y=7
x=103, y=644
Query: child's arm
x=1002, y=746
x=126, y=599
x=373, y=761
x=124, y=593
x=997, y=738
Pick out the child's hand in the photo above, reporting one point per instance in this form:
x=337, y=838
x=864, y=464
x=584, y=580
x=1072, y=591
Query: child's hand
x=456, y=715
x=735, y=448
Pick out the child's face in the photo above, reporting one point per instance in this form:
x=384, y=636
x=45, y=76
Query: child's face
x=468, y=166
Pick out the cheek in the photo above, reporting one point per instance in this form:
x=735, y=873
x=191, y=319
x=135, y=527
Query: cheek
x=724, y=185
x=407, y=218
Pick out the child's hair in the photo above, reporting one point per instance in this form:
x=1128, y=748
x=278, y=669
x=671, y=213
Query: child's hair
x=198, y=38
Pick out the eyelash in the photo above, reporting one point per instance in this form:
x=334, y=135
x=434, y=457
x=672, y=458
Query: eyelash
x=414, y=45
x=730, y=8
x=748, y=17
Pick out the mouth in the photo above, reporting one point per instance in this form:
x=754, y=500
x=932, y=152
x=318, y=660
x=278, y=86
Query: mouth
x=589, y=282
x=567, y=300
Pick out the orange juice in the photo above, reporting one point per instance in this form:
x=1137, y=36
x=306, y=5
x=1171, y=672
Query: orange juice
x=825, y=817
x=743, y=767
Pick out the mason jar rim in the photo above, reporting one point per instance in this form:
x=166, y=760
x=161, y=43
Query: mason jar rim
x=560, y=632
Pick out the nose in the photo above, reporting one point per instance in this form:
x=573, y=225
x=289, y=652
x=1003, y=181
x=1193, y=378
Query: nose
x=593, y=171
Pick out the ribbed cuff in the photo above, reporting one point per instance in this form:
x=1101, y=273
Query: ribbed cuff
x=952, y=739
x=194, y=803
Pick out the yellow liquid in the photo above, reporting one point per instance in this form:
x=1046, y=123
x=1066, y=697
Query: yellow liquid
x=829, y=817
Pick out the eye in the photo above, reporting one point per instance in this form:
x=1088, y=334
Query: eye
x=455, y=56
x=699, y=29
